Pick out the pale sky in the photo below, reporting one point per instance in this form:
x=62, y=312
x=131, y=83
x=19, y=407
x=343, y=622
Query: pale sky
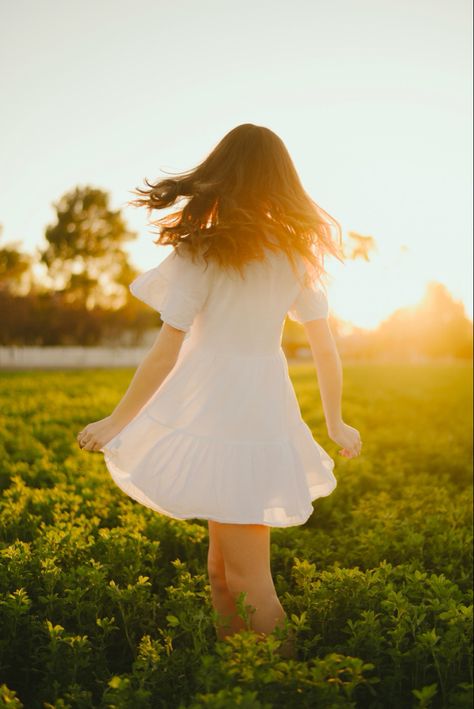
x=372, y=98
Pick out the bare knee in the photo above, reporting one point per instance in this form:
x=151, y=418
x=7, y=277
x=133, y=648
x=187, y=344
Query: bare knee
x=255, y=585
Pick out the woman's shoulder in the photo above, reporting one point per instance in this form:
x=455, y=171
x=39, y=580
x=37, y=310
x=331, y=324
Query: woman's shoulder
x=182, y=263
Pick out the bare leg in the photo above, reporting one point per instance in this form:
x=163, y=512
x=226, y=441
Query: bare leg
x=245, y=550
x=222, y=600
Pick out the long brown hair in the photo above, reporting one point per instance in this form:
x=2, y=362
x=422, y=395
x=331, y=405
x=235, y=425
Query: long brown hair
x=244, y=192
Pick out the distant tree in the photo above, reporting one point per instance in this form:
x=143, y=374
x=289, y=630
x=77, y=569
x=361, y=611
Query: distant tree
x=444, y=328
x=42, y=318
x=436, y=327
x=14, y=265
x=84, y=253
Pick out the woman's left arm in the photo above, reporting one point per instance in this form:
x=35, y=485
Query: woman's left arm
x=152, y=371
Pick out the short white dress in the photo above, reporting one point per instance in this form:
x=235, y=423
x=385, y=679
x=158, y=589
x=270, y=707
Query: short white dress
x=222, y=438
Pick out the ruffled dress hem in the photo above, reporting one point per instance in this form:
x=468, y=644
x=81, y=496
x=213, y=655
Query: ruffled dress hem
x=297, y=481
x=133, y=492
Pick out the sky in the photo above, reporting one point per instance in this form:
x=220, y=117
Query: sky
x=371, y=97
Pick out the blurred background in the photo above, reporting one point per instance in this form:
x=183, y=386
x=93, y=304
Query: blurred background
x=373, y=101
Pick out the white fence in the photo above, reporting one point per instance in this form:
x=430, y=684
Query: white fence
x=70, y=357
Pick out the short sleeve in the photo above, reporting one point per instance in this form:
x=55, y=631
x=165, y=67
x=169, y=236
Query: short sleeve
x=177, y=288
x=311, y=303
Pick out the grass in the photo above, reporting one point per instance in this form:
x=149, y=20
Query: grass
x=104, y=603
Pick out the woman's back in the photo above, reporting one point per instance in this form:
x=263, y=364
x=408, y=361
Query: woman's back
x=246, y=315
x=225, y=312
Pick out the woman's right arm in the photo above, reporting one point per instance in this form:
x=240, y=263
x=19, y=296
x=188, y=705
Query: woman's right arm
x=329, y=372
x=150, y=374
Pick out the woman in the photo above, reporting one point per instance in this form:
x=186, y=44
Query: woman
x=210, y=426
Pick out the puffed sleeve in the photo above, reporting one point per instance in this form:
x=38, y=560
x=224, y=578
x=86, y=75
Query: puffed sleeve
x=177, y=288
x=311, y=303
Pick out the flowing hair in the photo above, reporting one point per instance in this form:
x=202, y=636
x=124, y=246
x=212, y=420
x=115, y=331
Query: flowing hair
x=244, y=193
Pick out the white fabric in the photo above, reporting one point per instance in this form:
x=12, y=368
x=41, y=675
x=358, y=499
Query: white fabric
x=223, y=438
x=310, y=304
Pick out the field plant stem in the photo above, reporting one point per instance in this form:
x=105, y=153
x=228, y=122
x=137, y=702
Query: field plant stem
x=229, y=622
x=125, y=627
x=438, y=671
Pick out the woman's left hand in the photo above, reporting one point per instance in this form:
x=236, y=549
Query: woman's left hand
x=95, y=435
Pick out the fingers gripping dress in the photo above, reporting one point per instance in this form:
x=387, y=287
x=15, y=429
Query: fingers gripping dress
x=222, y=437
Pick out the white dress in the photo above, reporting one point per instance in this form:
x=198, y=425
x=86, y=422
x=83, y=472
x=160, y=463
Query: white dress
x=222, y=438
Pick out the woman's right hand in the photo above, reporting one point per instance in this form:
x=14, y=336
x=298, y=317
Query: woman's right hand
x=348, y=437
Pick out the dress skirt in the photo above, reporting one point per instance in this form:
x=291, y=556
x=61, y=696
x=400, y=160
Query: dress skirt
x=223, y=439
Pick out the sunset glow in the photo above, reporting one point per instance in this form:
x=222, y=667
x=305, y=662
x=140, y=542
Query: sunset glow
x=372, y=100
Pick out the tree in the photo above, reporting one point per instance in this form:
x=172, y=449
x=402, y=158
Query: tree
x=13, y=266
x=444, y=328
x=84, y=254
x=436, y=327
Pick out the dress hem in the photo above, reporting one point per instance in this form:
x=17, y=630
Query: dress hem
x=150, y=504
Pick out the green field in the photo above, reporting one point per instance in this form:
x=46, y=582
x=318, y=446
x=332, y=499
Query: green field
x=104, y=603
